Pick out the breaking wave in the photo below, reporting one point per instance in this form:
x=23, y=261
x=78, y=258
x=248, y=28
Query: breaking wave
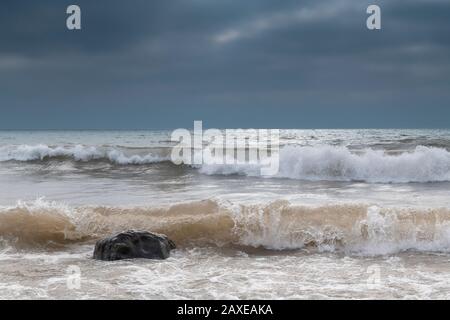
x=348, y=228
x=330, y=163
x=423, y=164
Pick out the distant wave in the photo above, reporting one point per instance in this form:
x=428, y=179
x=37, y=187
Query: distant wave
x=423, y=164
x=80, y=153
x=349, y=228
x=317, y=163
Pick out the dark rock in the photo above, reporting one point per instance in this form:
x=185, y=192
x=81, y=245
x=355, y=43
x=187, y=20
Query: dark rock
x=133, y=244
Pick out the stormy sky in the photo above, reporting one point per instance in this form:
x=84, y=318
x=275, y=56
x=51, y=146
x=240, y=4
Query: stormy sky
x=161, y=64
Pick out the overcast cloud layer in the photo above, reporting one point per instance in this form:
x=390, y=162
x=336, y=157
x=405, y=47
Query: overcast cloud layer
x=231, y=63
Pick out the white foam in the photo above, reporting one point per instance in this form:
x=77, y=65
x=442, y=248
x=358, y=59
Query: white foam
x=424, y=164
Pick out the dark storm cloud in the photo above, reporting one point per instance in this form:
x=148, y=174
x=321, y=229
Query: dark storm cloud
x=258, y=63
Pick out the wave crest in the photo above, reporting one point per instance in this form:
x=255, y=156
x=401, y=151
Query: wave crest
x=80, y=153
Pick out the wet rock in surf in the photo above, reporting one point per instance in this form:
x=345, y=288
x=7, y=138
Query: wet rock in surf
x=133, y=244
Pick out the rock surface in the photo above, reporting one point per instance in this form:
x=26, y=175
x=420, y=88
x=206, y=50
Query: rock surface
x=133, y=244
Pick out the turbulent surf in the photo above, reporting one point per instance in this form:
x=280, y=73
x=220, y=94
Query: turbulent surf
x=344, y=205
